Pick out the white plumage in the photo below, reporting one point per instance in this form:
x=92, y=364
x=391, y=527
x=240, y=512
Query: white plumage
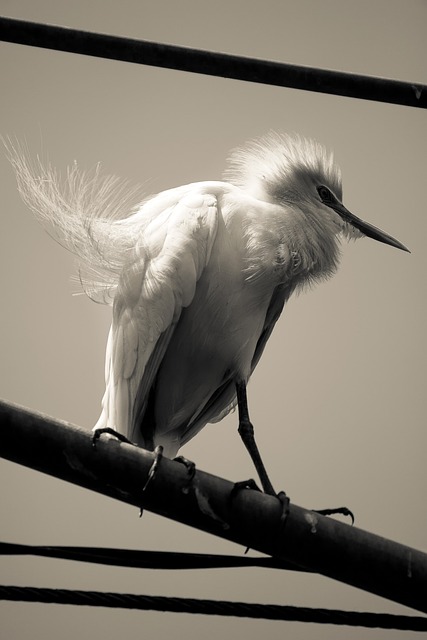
x=197, y=275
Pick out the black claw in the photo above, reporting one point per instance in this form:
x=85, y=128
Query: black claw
x=191, y=471
x=158, y=455
x=191, y=466
x=252, y=485
x=343, y=511
x=285, y=501
x=97, y=433
x=237, y=488
x=243, y=484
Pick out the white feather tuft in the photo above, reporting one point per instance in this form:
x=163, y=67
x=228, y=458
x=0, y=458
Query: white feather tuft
x=268, y=163
x=83, y=212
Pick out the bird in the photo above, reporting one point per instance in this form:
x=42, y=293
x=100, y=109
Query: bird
x=197, y=276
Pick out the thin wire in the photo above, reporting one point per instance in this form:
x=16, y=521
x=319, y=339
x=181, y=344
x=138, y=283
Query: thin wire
x=411, y=94
x=212, y=607
x=145, y=559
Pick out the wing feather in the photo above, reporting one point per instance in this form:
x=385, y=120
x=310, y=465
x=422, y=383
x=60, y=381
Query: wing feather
x=158, y=280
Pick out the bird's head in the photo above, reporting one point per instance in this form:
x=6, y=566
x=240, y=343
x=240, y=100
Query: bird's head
x=292, y=170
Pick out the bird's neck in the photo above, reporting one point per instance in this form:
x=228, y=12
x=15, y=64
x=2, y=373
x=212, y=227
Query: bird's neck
x=300, y=247
x=314, y=243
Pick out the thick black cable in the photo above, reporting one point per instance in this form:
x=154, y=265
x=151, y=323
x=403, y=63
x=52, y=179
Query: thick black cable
x=411, y=94
x=209, y=503
x=212, y=607
x=145, y=559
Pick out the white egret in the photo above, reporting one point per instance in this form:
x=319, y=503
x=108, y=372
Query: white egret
x=197, y=276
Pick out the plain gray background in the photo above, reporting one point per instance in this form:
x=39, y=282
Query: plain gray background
x=338, y=400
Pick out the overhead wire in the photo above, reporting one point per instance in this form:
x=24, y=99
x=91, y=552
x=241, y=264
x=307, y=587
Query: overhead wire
x=142, y=559
x=180, y=561
x=212, y=607
x=213, y=63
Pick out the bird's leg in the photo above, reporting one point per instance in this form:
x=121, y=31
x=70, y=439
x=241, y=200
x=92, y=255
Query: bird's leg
x=246, y=432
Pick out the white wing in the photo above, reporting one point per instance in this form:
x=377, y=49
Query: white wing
x=158, y=280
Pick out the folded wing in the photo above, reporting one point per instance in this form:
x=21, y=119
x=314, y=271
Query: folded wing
x=158, y=280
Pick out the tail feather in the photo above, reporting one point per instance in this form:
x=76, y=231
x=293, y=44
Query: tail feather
x=82, y=211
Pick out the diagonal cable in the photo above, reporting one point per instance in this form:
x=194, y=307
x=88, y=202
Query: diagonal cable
x=411, y=94
x=212, y=607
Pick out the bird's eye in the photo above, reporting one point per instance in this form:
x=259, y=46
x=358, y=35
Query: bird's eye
x=324, y=193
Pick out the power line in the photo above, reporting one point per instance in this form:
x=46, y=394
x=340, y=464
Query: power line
x=303, y=538
x=212, y=607
x=137, y=558
x=411, y=94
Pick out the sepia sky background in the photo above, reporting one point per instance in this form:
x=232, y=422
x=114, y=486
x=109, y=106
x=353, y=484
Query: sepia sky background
x=338, y=400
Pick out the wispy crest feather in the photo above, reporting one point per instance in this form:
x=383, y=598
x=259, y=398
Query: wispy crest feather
x=275, y=157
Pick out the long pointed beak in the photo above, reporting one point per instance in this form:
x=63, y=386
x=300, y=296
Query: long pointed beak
x=364, y=227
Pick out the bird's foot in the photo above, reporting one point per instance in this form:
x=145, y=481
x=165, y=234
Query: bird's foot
x=343, y=511
x=97, y=433
x=191, y=471
x=241, y=485
x=252, y=485
x=158, y=455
